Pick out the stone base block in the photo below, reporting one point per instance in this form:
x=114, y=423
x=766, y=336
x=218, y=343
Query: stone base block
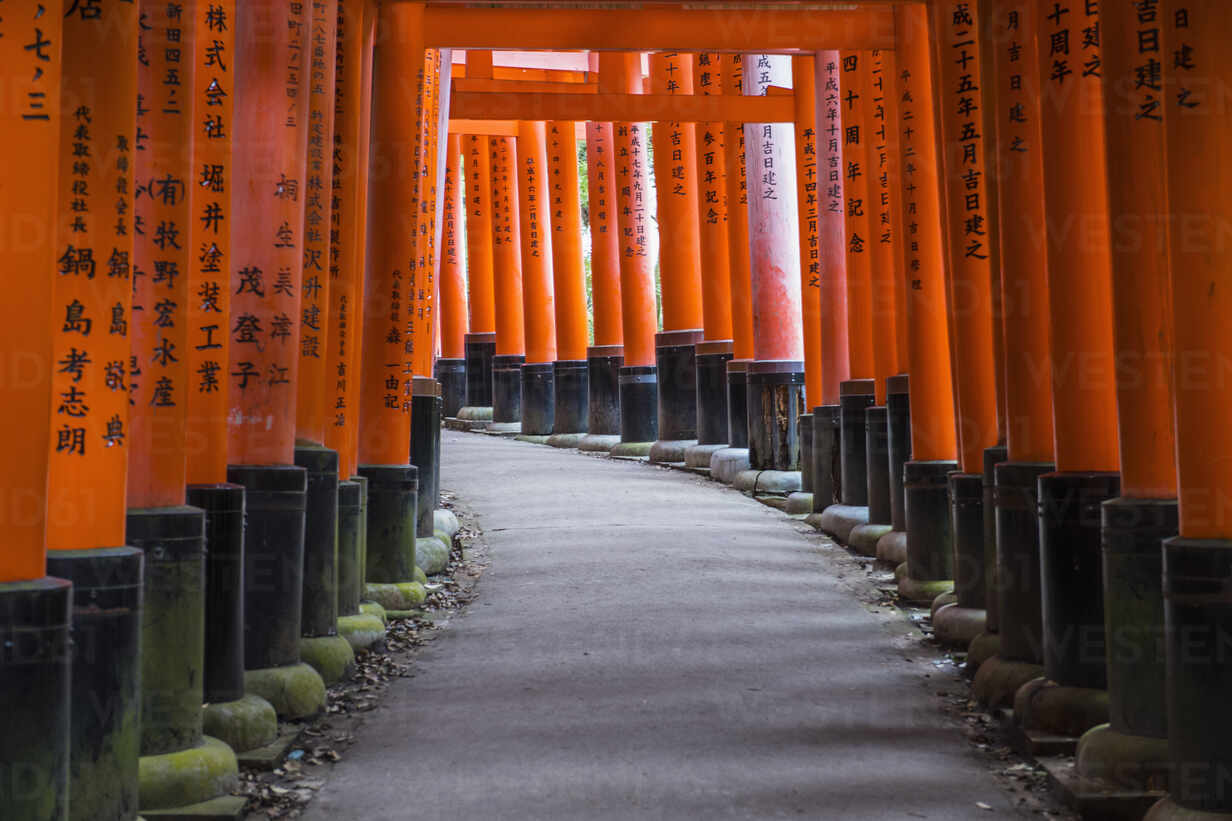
x=998, y=680
x=331, y=656
x=767, y=482
x=244, y=724
x=920, y=591
x=837, y=521
x=598, y=442
x=1169, y=810
x=533, y=438
x=728, y=463
x=956, y=626
x=667, y=451
x=371, y=608
x=1094, y=798
x=396, y=595
x=446, y=521
x=432, y=554
x=1127, y=762
x=295, y=691
x=632, y=450
x=981, y=649
x=1045, y=706
x=272, y=755
x=863, y=539
x=698, y=456
x=362, y=632
x=223, y=808
x=799, y=504
x=948, y=597
x=892, y=547
x=453, y=423
x=469, y=414
x=566, y=440
x=208, y=770
x=503, y=428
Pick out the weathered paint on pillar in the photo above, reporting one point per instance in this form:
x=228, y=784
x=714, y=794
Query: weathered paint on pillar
x=887, y=279
x=804, y=83
x=480, y=297
x=313, y=411
x=453, y=323
x=715, y=253
x=1079, y=254
x=385, y=403
x=959, y=90
x=352, y=84
x=162, y=258
x=422, y=325
x=774, y=244
x=854, y=81
x=93, y=281
x=538, y=297
x=568, y=278
x=675, y=170
x=29, y=195
x=506, y=248
x=933, y=435
x=738, y=218
x=1024, y=262
x=604, y=235
x=831, y=228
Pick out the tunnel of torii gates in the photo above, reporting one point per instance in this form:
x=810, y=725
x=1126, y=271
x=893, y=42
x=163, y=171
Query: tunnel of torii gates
x=946, y=276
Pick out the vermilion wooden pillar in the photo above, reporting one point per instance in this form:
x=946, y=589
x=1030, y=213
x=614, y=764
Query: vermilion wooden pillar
x=451, y=367
x=481, y=341
x=538, y=296
x=738, y=261
x=638, y=377
x=675, y=170
x=606, y=356
x=1196, y=564
x=507, y=279
x=34, y=687
x=570, y=371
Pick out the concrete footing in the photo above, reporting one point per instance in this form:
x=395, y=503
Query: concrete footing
x=470, y=414
x=1130, y=762
x=892, y=547
x=726, y=464
x=1044, y=706
x=331, y=656
x=998, y=680
x=1169, y=810
x=534, y=438
x=863, y=539
x=919, y=591
x=598, y=442
x=396, y=595
x=767, y=482
x=632, y=450
x=432, y=553
x=295, y=691
x=981, y=649
x=244, y=724
x=837, y=521
x=670, y=451
x=446, y=521
x=371, y=608
x=698, y=456
x=799, y=503
x=957, y=626
x=566, y=440
x=191, y=776
x=503, y=428
x=362, y=631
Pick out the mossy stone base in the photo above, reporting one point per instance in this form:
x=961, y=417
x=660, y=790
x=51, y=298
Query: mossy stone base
x=892, y=547
x=837, y=521
x=698, y=456
x=632, y=450
x=948, y=597
x=244, y=724
x=799, y=504
x=223, y=808
x=670, y=451
x=998, y=679
x=371, y=608
x=471, y=414
x=397, y=596
x=598, y=442
x=863, y=539
x=1045, y=706
x=1133, y=762
x=362, y=631
x=503, y=428
x=1169, y=810
x=728, y=463
x=431, y=554
x=331, y=656
x=982, y=648
x=420, y=575
x=296, y=691
x=446, y=521
x=919, y=591
x=533, y=438
x=955, y=626
x=565, y=440
x=207, y=770
x=776, y=482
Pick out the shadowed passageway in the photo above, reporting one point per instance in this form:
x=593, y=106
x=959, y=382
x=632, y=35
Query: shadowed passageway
x=648, y=645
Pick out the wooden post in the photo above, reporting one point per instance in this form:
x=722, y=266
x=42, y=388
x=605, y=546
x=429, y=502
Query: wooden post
x=804, y=85
x=738, y=261
x=855, y=76
x=538, y=298
x=481, y=299
x=451, y=367
x=507, y=272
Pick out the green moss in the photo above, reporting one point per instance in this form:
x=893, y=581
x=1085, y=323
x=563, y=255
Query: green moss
x=400, y=596
x=361, y=631
x=245, y=724
x=371, y=608
x=432, y=554
x=190, y=776
x=296, y=691
x=331, y=656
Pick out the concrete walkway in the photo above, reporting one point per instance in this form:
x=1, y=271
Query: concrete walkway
x=649, y=645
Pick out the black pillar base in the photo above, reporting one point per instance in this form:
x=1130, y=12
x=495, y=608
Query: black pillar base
x=319, y=608
x=480, y=351
x=173, y=625
x=712, y=417
x=224, y=588
x=1071, y=576
x=775, y=401
x=1134, y=612
x=738, y=403
x=877, y=464
x=106, y=673
x=538, y=399
x=571, y=389
x=855, y=397
x=1198, y=638
x=425, y=454
x=603, y=364
x=898, y=422
x=391, y=521
x=826, y=458
x=804, y=426
x=993, y=456
x=676, y=360
x=276, y=499
x=507, y=388
x=639, y=400
x=451, y=374
x=967, y=510
x=930, y=527
x=35, y=680
x=1018, y=560
x=350, y=545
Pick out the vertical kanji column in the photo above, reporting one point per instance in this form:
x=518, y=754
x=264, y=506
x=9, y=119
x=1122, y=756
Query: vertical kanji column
x=714, y=351
x=620, y=72
x=35, y=684
x=481, y=341
x=570, y=371
x=1198, y=562
x=387, y=368
x=835, y=361
x=675, y=170
x=268, y=197
x=507, y=286
x=538, y=295
x=1083, y=398
x=89, y=448
x=776, y=374
x=451, y=367
x=1133, y=525
x=605, y=357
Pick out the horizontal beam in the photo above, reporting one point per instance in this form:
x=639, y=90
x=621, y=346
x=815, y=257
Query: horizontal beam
x=524, y=86
x=500, y=128
x=660, y=28
x=631, y=108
